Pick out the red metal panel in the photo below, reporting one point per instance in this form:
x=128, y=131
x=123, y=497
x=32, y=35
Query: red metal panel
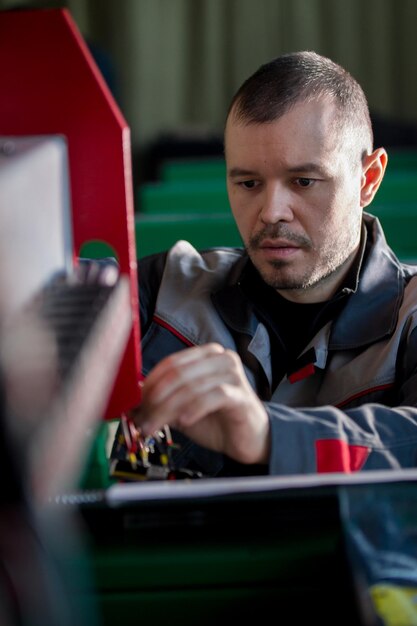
x=50, y=84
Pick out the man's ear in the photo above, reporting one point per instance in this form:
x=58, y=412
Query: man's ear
x=373, y=170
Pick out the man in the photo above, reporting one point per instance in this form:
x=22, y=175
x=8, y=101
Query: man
x=299, y=353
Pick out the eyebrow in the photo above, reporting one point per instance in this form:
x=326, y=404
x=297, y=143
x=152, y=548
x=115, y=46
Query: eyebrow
x=307, y=167
x=235, y=172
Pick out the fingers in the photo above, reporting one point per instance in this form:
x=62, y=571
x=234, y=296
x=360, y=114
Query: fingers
x=97, y=271
x=183, y=368
x=203, y=391
x=187, y=385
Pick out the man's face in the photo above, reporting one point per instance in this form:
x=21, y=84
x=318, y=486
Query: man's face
x=295, y=196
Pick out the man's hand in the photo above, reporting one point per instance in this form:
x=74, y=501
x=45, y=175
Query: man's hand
x=97, y=271
x=203, y=392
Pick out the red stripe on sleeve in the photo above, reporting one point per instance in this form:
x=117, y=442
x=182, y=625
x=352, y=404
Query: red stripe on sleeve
x=334, y=455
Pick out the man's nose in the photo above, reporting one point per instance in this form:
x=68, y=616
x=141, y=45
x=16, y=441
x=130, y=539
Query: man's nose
x=276, y=204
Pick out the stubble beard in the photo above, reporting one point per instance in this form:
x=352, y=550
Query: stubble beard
x=281, y=276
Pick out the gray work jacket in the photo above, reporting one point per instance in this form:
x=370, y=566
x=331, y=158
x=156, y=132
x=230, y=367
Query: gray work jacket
x=352, y=405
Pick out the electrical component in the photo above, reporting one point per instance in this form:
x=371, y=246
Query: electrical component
x=146, y=458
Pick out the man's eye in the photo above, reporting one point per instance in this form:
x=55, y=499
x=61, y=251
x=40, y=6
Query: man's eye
x=248, y=184
x=304, y=182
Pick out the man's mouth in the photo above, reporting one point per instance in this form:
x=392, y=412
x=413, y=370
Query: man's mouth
x=277, y=248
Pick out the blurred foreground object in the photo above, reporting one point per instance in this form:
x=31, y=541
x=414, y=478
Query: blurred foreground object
x=51, y=85
x=62, y=337
x=69, y=346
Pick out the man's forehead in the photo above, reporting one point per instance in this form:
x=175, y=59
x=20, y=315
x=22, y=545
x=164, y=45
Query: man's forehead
x=299, y=147
x=310, y=123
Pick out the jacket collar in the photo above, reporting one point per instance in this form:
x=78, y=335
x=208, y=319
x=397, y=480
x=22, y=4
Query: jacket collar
x=372, y=311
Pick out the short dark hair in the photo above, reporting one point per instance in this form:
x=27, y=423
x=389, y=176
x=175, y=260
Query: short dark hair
x=299, y=77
